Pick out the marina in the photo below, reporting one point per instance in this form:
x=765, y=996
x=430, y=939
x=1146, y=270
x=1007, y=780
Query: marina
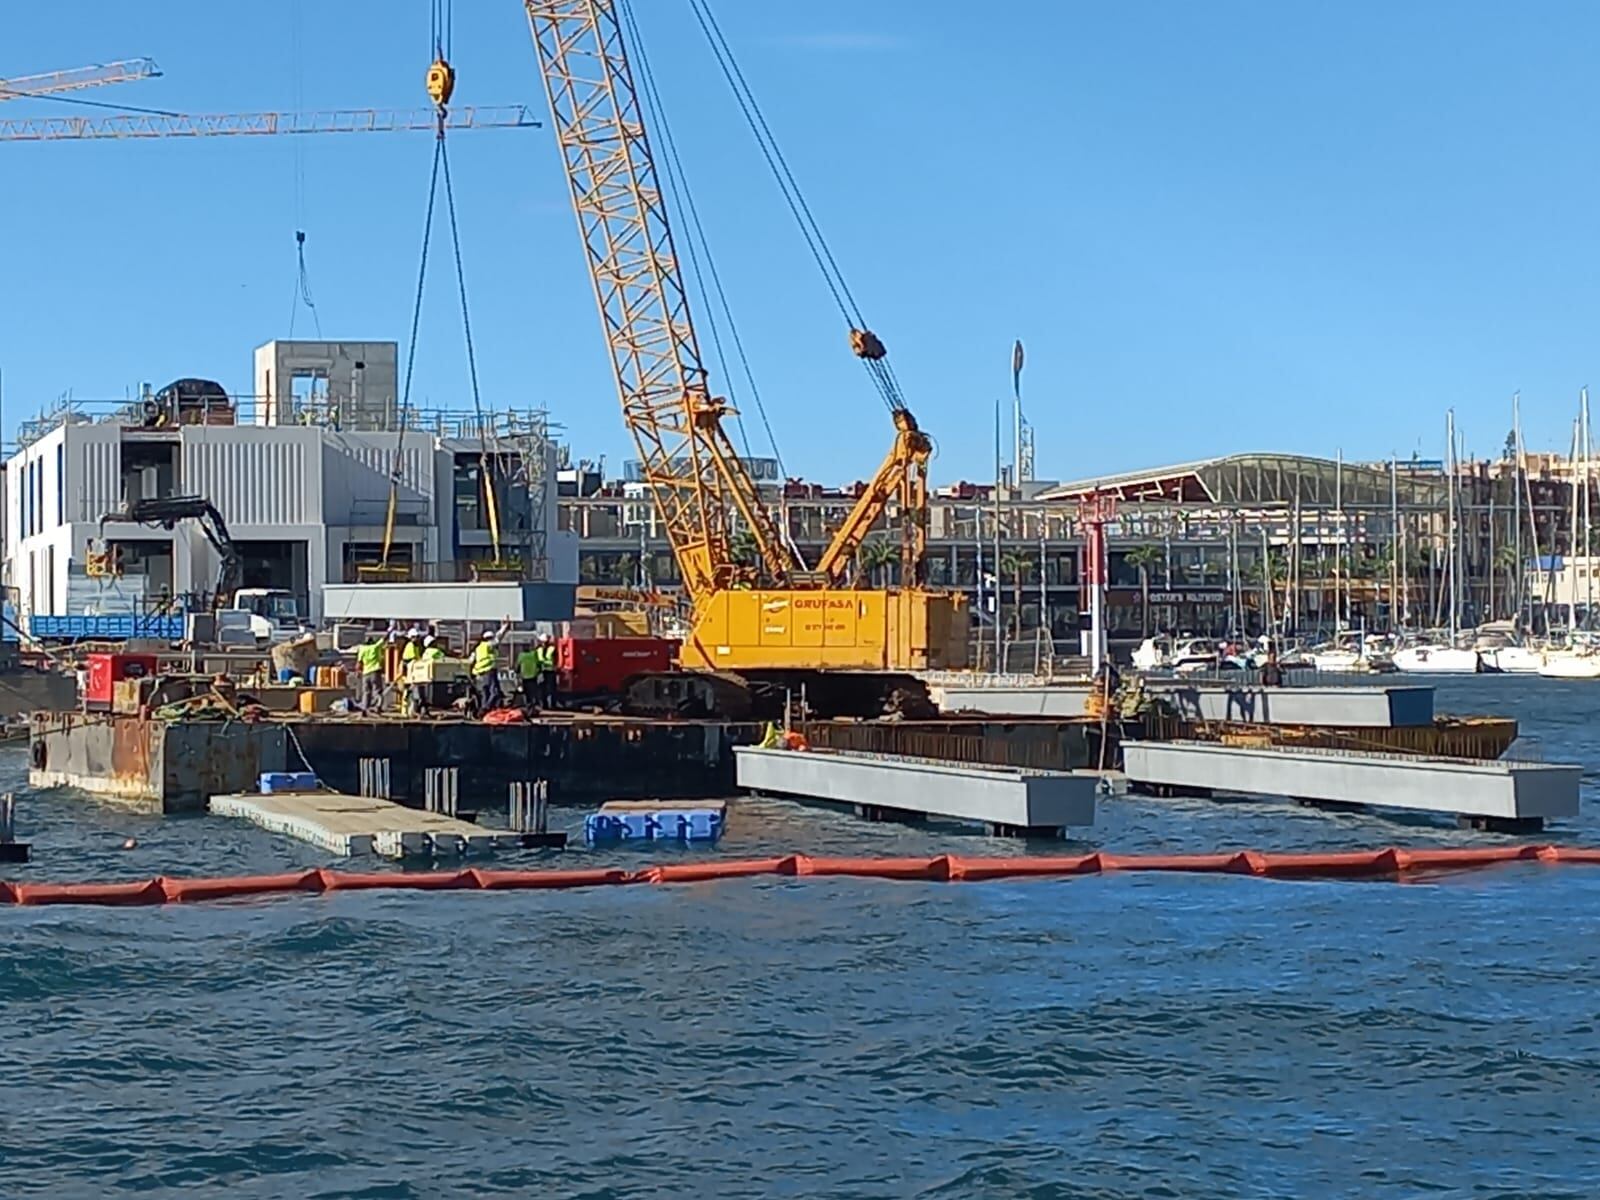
x=773, y=687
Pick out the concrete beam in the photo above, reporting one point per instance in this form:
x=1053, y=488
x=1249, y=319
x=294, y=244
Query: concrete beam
x=1487, y=791
x=1005, y=799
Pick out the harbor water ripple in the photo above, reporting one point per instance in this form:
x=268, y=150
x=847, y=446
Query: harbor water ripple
x=1138, y=1036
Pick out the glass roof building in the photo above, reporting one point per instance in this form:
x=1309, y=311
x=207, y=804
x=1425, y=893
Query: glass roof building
x=1269, y=481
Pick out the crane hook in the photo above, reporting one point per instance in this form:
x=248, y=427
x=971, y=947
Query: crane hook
x=441, y=82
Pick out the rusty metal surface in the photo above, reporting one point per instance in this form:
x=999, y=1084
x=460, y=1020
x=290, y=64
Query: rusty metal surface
x=1448, y=737
x=1048, y=744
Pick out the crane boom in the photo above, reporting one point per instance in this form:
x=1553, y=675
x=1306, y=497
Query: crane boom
x=53, y=83
x=903, y=476
x=357, y=120
x=689, y=463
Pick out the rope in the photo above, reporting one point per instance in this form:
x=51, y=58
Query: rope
x=821, y=253
x=461, y=278
x=302, y=293
x=422, y=269
x=678, y=184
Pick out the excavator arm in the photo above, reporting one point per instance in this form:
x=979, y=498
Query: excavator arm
x=167, y=511
x=902, y=476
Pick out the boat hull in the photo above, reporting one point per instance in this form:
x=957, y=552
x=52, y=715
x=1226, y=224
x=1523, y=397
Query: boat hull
x=1437, y=660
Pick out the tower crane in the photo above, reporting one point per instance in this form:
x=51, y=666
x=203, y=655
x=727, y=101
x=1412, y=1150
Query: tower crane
x=349, y=120
x=853, y=650
x=53, y=83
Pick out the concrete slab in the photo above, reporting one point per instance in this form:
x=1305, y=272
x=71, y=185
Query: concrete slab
x=1492, y=791
x=1004, y=798
x=351, y=825
x=1345, y=707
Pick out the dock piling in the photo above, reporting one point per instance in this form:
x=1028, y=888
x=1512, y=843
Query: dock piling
x=11, y=850
x=529, y=806
x=441, y=789
x=373, y=779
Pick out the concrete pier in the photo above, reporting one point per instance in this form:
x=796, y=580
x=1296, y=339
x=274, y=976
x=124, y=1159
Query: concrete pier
x=1346, y=707
x=351, y=825
x=1512, y=796
x=1006, y=800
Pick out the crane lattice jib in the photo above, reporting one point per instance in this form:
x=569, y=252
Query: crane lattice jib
x=53, y=83
x=354, y=120
x=694, y=474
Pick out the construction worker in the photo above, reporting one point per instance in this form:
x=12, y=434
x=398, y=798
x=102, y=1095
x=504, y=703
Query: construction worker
x=528, y=675
x=413, y=648
x=547, y=671
x=431, y=650
x=369, y=659
x=485, y=671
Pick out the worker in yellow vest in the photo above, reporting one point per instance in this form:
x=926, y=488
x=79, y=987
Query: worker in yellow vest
x=485, y=671
x=409, y=653
x=528, y=676
x=545, y=676
x=369, y=660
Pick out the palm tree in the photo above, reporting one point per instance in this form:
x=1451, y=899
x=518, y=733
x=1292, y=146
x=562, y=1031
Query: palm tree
x=1146, y=559
x=1505, y=558
x=875, y=556
x=1019, y=566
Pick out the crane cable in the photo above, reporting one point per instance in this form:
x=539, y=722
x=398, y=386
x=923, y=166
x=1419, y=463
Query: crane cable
x=863, y=341
x=302, y=284
x=678, y=184
x=441, y=85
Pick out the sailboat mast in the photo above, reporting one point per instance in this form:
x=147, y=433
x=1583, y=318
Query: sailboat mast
x=1394, y=543
x=1516, y=495
x=1341, y=563
x=1451, y=566
x=1588, y=511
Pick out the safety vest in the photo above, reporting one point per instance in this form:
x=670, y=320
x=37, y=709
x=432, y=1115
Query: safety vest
x=484, y=658
x=547, y=658
x=528, y=663
x=432, y=654
x=411, y=652
x=370, y=657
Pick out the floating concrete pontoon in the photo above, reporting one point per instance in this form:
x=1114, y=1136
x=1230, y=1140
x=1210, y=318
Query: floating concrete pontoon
x=1346, y=707
x=352, y=825
x=1005, y=799
x=1511, y=796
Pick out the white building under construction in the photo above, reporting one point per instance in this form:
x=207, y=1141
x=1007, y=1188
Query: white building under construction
x=303, y=473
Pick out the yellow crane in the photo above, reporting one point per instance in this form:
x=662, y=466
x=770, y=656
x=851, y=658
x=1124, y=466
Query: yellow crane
x=778, y=625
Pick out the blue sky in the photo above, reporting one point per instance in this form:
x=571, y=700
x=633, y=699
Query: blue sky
x=1217, y=227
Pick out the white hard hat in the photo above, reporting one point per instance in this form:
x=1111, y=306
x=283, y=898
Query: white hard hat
x=487, y=636
x=545, y=637
x=429, y=640
x=414, y=631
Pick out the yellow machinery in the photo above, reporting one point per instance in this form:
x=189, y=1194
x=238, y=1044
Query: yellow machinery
x=774, y=621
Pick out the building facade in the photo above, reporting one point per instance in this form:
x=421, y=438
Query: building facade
x=306, y=503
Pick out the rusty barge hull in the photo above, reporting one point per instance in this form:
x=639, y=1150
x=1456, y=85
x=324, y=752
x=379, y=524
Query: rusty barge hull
x=178, y=766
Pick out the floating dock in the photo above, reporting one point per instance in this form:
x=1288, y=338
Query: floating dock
x=1504, y=796
x=353, y=825
x=1344, y=707
x=1006, y=800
